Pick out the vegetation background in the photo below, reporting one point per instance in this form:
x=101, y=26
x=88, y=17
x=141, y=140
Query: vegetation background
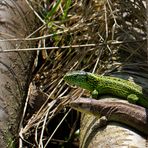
x=100, y=36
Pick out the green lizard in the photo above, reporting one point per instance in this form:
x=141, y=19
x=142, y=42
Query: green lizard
x=98, y=84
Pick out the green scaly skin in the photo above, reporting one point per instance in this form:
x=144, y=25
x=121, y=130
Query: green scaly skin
x=99, y=85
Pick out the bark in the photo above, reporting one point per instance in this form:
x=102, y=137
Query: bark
x=15, y=22
x=115, y=134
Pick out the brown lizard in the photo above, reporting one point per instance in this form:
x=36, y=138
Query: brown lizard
x=132, y=115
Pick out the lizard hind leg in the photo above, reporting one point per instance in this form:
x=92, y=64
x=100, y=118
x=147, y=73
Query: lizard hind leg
x=132, y=98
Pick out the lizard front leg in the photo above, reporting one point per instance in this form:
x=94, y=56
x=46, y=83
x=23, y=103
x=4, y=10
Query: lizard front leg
x=132, y=98
x=94, y=94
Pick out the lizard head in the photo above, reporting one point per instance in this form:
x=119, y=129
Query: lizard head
x=85, y=105
x=82, y=105
x=82, y=79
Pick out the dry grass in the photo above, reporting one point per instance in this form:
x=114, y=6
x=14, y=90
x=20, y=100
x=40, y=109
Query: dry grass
x=91, y=35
